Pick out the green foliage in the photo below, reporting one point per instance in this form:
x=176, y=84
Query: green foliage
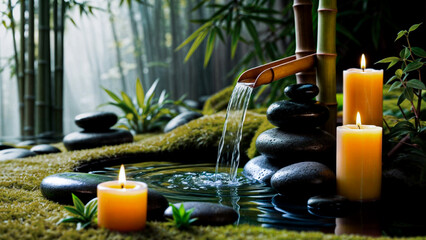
x=145, y=113
x=181, y=217
x=407, y=136
x=84, y=215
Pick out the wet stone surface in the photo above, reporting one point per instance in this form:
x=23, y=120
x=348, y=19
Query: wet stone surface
x=86, y=140
x=329, y=205
x=207, y=213
x=301, y=92
x=96, y=121
x=181, y=119
x=261, y=169
x=14, y=153
x=304, y=180
x=295, y=115
x=290, y=147
x=44, y=149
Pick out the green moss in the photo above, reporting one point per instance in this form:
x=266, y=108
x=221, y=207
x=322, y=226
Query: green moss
x=218, y=101
x=26, y=214
x=252, y=151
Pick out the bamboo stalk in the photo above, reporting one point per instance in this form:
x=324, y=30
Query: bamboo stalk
x=148, y=41
x=42, y=94
x=175, y=88
x=137, y=46
x=21, y=73
x=326, y=60
x=304, y=37
x=58, y=21
x=30, y=75
x=117, y=47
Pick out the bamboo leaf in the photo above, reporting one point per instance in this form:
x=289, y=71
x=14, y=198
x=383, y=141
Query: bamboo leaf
x=73, y=210
x=196, y=44
x=413, y=66
x=140, y=95
x=253, y=33
x=235, y=38
x=415, y=83
x=69, y=220
x=414, y=27
x=194, y=35
x=127, y=100
x=387, y=60
x=150, y=94
x=400, y=34
x=209, y=46
x=419, y=52
x=405, y=53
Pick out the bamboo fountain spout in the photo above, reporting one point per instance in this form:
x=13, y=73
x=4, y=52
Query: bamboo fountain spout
x=305, y=60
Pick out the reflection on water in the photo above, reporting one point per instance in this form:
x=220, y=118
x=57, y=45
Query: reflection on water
x=258, y=204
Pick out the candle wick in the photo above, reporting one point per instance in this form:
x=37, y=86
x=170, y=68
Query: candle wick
x=122, y=185
x=359, y=127
x=363, y=69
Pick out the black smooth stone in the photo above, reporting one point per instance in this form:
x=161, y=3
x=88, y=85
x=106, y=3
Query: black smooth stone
x=329, y=205
x=58, y=188
x=86, y=140
x=297, y=115
x=304, y=179
x=207, y=213
x=290, y=147
x=181, y=119
x=261, y=169
x=301, y=92
x=96, y=121
x=26, y=143
x=45, y=149
x=5, y=146
x=14, y=153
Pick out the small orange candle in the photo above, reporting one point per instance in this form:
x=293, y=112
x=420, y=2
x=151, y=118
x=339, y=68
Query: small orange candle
x=363, y=93
x=122, y=205
x=359, y=161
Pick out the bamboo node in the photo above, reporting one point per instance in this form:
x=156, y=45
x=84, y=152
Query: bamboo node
x=327, y=10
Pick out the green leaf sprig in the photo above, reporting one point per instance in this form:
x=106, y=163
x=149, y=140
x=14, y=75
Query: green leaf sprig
x=84, y=215
x=181, y=218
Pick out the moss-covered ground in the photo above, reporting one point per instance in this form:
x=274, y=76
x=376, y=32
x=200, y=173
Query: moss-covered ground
x=26, y=214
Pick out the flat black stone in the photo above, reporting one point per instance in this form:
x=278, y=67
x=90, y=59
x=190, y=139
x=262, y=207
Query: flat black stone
x=301, y=92
x=5, y=146
x=45, y=149
x=261, y=169
x=329, y=205
x=297, y=115
x=181, y=119
x=14, y=153
x=304, y=179
x=207, y=213
x=86, y=140
x=58, y=188
x=96, y=121
x=26, y=143
x=290, y=147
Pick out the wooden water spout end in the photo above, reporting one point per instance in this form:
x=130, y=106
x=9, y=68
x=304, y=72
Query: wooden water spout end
x=277, y=70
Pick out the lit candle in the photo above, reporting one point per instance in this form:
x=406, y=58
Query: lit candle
x=359, y=161
x=363, y=93
x=122, y=204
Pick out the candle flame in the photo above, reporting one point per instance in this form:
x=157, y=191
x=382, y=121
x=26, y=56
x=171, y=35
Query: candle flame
x=363, y=64
x=122, y=176
x=358, y=120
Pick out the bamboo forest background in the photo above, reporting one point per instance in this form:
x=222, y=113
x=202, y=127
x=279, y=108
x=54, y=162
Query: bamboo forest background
x=111, y=48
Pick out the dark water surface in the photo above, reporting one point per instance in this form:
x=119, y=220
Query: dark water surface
x=258, y=204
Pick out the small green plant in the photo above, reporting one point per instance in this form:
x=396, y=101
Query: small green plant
x=145, y=113
x=181, y=217
x=407, y=136
x=83, y=215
